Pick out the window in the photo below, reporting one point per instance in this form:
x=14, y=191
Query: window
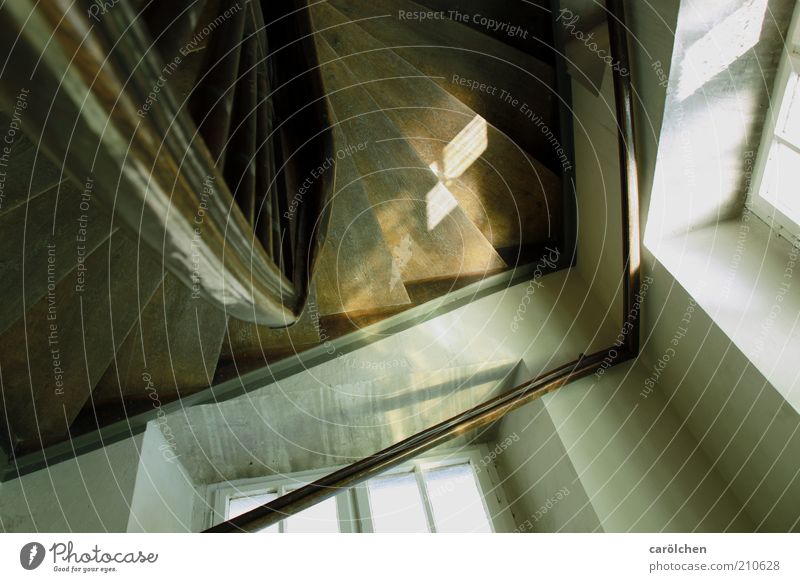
x=773, y=194
x=454, y=492
x=324, y=517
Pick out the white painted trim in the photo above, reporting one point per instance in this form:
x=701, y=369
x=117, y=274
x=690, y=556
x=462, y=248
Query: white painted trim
x=494, y=496
x=426, y=498
x=766, y=211
x=362, y=501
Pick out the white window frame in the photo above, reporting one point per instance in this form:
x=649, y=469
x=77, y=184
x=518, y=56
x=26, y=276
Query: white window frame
x=218, y=496
x=765, y=210
x=353, y=504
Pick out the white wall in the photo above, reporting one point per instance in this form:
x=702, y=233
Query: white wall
x=90, y=493
x=623, y=453
x=534, y=469
x=748, y=430
x=693, y=156
x=641, y=468
x=164, y=498
x=131, y=486
x=597, y=174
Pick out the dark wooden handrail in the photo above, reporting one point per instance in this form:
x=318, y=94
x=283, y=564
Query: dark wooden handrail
x=629, y=174
x=494, y=409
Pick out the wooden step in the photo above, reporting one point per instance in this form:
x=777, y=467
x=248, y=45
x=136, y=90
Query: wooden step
x=445, y=48
x=513, y=199
x=428, y=234
x=171, y=352
x=356, y=272
x=53, y=357
x=44, y=240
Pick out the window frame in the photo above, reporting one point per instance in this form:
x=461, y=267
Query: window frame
x=218, y=496
x=353, y=504
x=754, y=202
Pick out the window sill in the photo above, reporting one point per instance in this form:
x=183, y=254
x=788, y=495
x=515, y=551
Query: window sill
x=742, y=274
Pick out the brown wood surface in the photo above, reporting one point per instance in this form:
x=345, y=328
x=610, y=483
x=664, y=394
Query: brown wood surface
x=510, y=196
x=401, y=187
x=443, y=48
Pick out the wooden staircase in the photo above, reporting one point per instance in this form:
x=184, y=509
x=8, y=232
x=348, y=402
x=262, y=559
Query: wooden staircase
x=435, y=186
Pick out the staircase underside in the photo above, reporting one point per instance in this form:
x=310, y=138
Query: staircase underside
x=436, y=186
x=431, y=192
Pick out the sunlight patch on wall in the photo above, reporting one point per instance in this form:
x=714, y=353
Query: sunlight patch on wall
x=721, y=46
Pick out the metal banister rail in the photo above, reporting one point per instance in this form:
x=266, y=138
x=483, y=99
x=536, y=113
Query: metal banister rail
x=488, y=412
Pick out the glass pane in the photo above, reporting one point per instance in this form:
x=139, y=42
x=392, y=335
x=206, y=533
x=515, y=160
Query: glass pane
x=456, y=500
x=321, y=518
x=781, y=177
x=396, y=504
x=240, y=505
x=790, y=119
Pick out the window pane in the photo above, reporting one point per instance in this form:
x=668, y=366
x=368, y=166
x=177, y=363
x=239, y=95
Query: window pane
x=456, y=500
x=396, y=504
x=321, y=518
x=240, y=505
x=789, y=128
x=781, y=177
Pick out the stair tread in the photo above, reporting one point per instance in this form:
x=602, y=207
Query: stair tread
x=444, y=48
x=512, y=198
x=173, y=349
x=70, y=338
x=44, y=241
x=355, y=272
x=429, y=236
